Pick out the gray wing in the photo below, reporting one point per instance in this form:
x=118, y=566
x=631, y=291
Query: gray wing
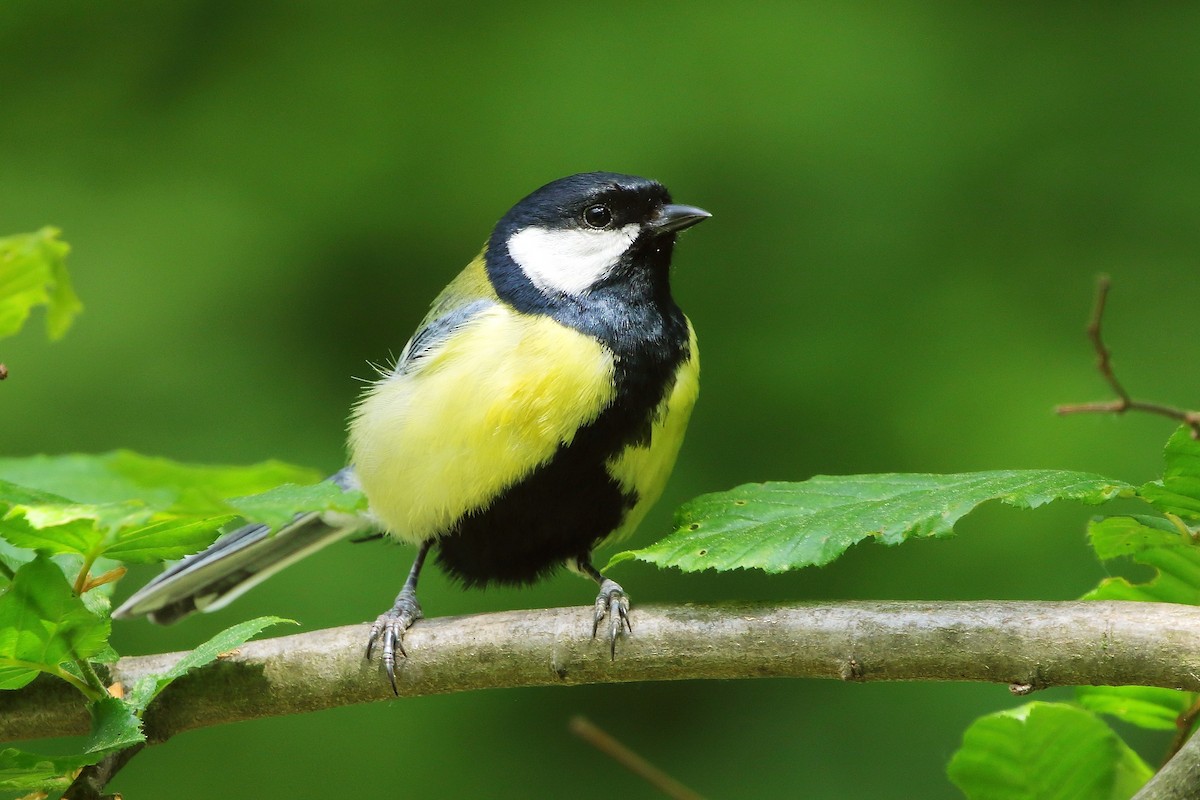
x=434, y=333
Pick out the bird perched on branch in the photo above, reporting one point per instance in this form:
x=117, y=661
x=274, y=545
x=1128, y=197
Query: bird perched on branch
x=536, y=412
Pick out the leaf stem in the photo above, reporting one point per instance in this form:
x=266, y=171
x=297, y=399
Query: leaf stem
x=89, y=674
x=89, y=691
x=81, y=580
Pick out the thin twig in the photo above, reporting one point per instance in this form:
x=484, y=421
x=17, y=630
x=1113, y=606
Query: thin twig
x=1183, y=730
x=586, y=730
x=90, y=782
x=1124, y=401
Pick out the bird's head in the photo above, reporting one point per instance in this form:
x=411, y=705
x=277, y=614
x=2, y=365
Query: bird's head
x=585, y=231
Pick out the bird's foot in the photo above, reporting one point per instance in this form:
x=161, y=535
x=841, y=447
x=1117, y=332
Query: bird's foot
x=389, y=630
x=612, y=602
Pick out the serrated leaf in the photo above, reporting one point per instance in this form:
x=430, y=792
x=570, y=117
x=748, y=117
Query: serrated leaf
x=1047, y=751
x=114, y=727
x=78, y=536
x=1179, y=490
x=149, y=686
x=278, y=506
x=33, y=273
x=166, y=540
x=1145, y=706
x=782, y=526
x=1156, y=543
x=43, y=624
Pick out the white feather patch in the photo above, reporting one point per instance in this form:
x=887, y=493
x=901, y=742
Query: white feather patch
x=570, y=261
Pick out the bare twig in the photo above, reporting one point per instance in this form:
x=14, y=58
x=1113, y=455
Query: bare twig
x=1038, y=644
x=1183, y=730
x=1124, y=401
x=584, y=729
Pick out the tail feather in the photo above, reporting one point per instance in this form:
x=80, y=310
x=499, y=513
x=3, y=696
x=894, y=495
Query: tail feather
x=236, y=562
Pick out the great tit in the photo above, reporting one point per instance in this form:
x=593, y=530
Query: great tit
x=536, y=412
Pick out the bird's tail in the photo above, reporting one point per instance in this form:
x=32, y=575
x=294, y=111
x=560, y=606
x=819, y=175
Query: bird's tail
x=239, y=560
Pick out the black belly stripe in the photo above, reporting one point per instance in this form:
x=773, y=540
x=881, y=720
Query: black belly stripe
x=561, y=510
x=567, y=505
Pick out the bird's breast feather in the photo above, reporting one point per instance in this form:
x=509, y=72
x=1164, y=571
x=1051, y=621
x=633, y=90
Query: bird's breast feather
x=494, y=401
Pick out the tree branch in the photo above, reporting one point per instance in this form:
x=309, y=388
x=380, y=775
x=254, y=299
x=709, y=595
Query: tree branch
x=1179, y=778
x=1124, y=401
x=1029, y=645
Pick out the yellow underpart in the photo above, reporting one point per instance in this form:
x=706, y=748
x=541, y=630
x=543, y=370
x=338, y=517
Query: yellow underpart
x=478, y=415
x=645, y=469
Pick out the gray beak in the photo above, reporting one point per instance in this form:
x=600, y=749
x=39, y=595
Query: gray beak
x=674, y=217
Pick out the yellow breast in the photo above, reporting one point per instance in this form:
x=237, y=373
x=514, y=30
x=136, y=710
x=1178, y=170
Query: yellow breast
x=482, y=412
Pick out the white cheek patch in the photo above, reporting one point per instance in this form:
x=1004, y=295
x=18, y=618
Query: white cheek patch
x=570, y=261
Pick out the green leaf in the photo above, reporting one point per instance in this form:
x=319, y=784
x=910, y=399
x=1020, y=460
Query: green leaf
x=33, y=272
x=1047, y=751
x=11, y=559
x=1179, y=490
x=1175, y=559
x=139, y=509
x=1156, y=543
x=782, y=526
x=21, y=771
x=166, y=540
x=149, y=686
x=43, y=624
x=79, y=536
x=1144, y=706
x=114, y=727
x=129, y=480
x=276, y=507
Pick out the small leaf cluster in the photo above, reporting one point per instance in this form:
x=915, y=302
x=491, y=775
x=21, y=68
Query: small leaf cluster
x=68, y=524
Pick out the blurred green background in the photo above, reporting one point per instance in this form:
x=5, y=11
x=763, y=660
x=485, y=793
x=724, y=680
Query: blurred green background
x=911, y=204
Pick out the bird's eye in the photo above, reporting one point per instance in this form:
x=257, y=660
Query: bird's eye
x=597, y=216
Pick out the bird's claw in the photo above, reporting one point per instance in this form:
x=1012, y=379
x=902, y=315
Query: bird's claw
x=612, y=602
x=389, y=629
